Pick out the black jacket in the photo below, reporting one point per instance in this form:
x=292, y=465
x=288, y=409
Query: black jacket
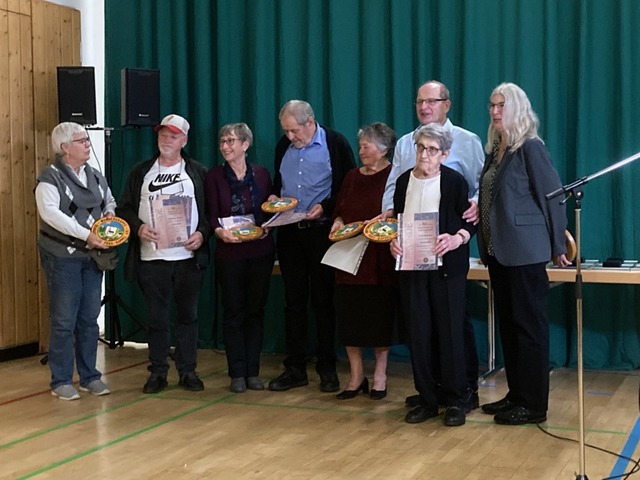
x=129, y=204
x=453, y=203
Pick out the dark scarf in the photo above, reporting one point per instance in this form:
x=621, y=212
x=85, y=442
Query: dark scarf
x=237, y=189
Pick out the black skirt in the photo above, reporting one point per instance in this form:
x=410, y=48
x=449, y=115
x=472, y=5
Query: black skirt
x=367, y=315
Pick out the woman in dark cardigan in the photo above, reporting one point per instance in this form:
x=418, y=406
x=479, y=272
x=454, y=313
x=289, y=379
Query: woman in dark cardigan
x=239, y=187
x=434, y=301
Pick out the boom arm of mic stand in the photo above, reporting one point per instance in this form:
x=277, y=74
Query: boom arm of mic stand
x=567, y=189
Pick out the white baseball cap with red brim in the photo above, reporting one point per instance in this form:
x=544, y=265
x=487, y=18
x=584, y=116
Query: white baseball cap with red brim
x=175, y=123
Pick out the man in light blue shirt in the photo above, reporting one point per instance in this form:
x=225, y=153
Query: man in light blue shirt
x=306, y=172
x=466, y=157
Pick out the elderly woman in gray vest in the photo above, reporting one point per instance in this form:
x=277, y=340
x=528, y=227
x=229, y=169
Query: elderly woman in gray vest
x=71, y=196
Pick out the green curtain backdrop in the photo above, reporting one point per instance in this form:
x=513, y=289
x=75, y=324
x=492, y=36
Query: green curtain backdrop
x=359, y=61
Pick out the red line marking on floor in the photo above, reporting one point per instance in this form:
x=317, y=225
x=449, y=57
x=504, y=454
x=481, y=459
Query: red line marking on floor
x=35, y=394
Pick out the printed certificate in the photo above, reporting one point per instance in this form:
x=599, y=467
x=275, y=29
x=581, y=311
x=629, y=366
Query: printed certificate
x=171, y=218
x=417, y=238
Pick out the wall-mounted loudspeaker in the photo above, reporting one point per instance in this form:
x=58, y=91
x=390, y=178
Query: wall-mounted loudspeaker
x=140, y=97
x=77, y=95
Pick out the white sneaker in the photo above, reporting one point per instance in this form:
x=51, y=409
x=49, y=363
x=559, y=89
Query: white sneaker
x=97, y=388
x=65, y=392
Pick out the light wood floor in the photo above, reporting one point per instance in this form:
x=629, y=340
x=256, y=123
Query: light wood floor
x=300, y=434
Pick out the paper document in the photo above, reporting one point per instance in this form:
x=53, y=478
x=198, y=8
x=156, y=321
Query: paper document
x=346, y=255
x=285, y=218
x=236, y=221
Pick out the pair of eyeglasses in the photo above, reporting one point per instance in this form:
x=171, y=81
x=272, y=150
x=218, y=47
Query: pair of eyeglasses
x=429, y=101
x=431, y=151
x=228, y=141
x=84, y=140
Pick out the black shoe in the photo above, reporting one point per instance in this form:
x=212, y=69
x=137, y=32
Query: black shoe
x=519, y=415
x=412, y=401
x=499, y=406
x=190, y=381
x=349, y=394
x=329, y=382
x=254, y=383
x=287, y=380
x=420, y=414
x=454, y=416
x=155, y=383
x=377, y=394
x=471, y=401
x=238, y=385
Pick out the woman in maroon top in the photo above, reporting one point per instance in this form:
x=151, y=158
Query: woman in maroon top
x=366, y=302
x=243, y=269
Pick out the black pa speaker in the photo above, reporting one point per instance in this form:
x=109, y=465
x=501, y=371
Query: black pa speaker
x=77, y=95
x=140, y=97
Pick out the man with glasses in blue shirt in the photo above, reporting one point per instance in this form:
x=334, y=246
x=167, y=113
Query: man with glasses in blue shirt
x=310, y=164
x=466, y=157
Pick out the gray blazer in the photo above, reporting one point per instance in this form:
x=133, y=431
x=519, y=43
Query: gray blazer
x=525, y=227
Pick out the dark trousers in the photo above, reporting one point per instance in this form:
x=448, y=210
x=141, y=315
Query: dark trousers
x=161, y=282
x=306, y=279
x=520, y=298
x=244, y=287
x=434, y=306
x=471, y=353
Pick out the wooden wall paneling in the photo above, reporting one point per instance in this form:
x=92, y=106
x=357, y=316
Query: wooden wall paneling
x=5, y=142
x=15, y=6
x=42, y=103
x=3, y=4
x=17, y=328
x=31, y=330
x=25, y=7
x=70, y=36
x=7, y=201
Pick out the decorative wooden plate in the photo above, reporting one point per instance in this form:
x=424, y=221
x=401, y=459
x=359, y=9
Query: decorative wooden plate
x=571, y=246
x=112, y=230
x=382, y=231
x=246, y=233
x=279, y=205
x=347, y=231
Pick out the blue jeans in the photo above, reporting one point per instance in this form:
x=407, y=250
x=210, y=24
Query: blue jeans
x=75, y=287
x=161, y=282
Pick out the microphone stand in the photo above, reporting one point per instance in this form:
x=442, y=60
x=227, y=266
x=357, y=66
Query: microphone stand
x=111, y=297
x=574, y=190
